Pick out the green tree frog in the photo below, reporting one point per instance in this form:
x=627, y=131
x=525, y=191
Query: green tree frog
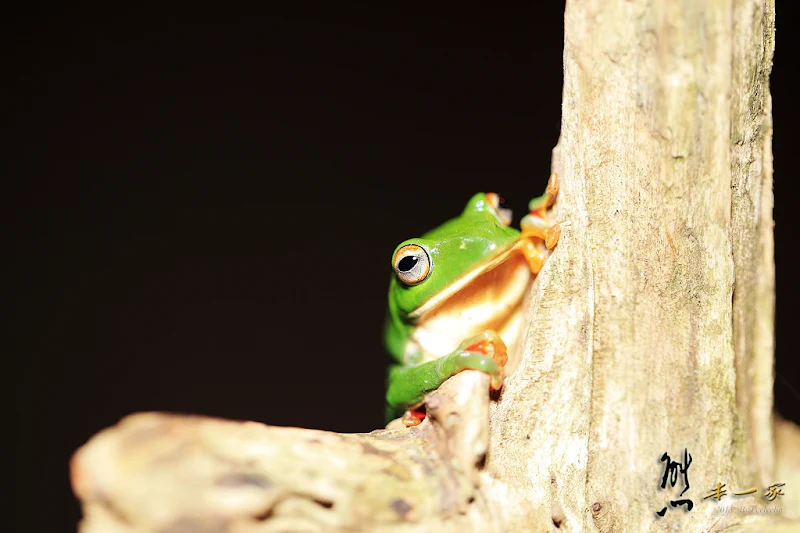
x=457, y=295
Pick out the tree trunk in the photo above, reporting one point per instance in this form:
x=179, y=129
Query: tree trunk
x=650, y=332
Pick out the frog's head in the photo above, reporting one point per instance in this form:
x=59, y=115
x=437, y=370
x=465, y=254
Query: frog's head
x=430, y=269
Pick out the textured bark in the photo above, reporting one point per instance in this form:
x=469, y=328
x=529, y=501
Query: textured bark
x=650, y=331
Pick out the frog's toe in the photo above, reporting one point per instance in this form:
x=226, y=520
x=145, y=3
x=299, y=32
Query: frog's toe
x=551, y=236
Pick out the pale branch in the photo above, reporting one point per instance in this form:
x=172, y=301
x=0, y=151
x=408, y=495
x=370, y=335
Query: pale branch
x=650, y=330
x=171, y=474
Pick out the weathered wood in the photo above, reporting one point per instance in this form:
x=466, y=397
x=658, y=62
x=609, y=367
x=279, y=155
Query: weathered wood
x=650, y=331
x=635, y=348
x=173, y=474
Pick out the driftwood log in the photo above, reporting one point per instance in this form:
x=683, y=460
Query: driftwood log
x=650, y=331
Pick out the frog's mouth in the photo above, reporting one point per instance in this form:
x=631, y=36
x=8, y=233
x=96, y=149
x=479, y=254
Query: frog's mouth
x=458, y=286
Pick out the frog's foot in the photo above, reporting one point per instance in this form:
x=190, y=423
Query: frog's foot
x=412, y=418
x=541, y=203
x=490, y=344
x=486, y=352
x=535, y=226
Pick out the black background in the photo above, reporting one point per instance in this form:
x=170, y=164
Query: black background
x=205, y=204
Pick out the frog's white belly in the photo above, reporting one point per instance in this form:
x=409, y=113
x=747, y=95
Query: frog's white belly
x=495, y=300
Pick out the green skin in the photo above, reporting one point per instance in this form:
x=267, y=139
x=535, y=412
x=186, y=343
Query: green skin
x=456, y=248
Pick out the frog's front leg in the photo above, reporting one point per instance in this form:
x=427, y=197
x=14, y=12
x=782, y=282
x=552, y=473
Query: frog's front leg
x=408, y=384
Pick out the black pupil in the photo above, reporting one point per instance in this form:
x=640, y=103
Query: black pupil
x=407, y=263
x=501, y=203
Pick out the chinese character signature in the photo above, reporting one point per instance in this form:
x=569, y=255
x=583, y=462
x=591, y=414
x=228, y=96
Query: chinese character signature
x=671, y=471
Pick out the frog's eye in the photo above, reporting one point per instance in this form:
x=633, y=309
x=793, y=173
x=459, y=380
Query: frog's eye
x=501, y=209
x=412, y=264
